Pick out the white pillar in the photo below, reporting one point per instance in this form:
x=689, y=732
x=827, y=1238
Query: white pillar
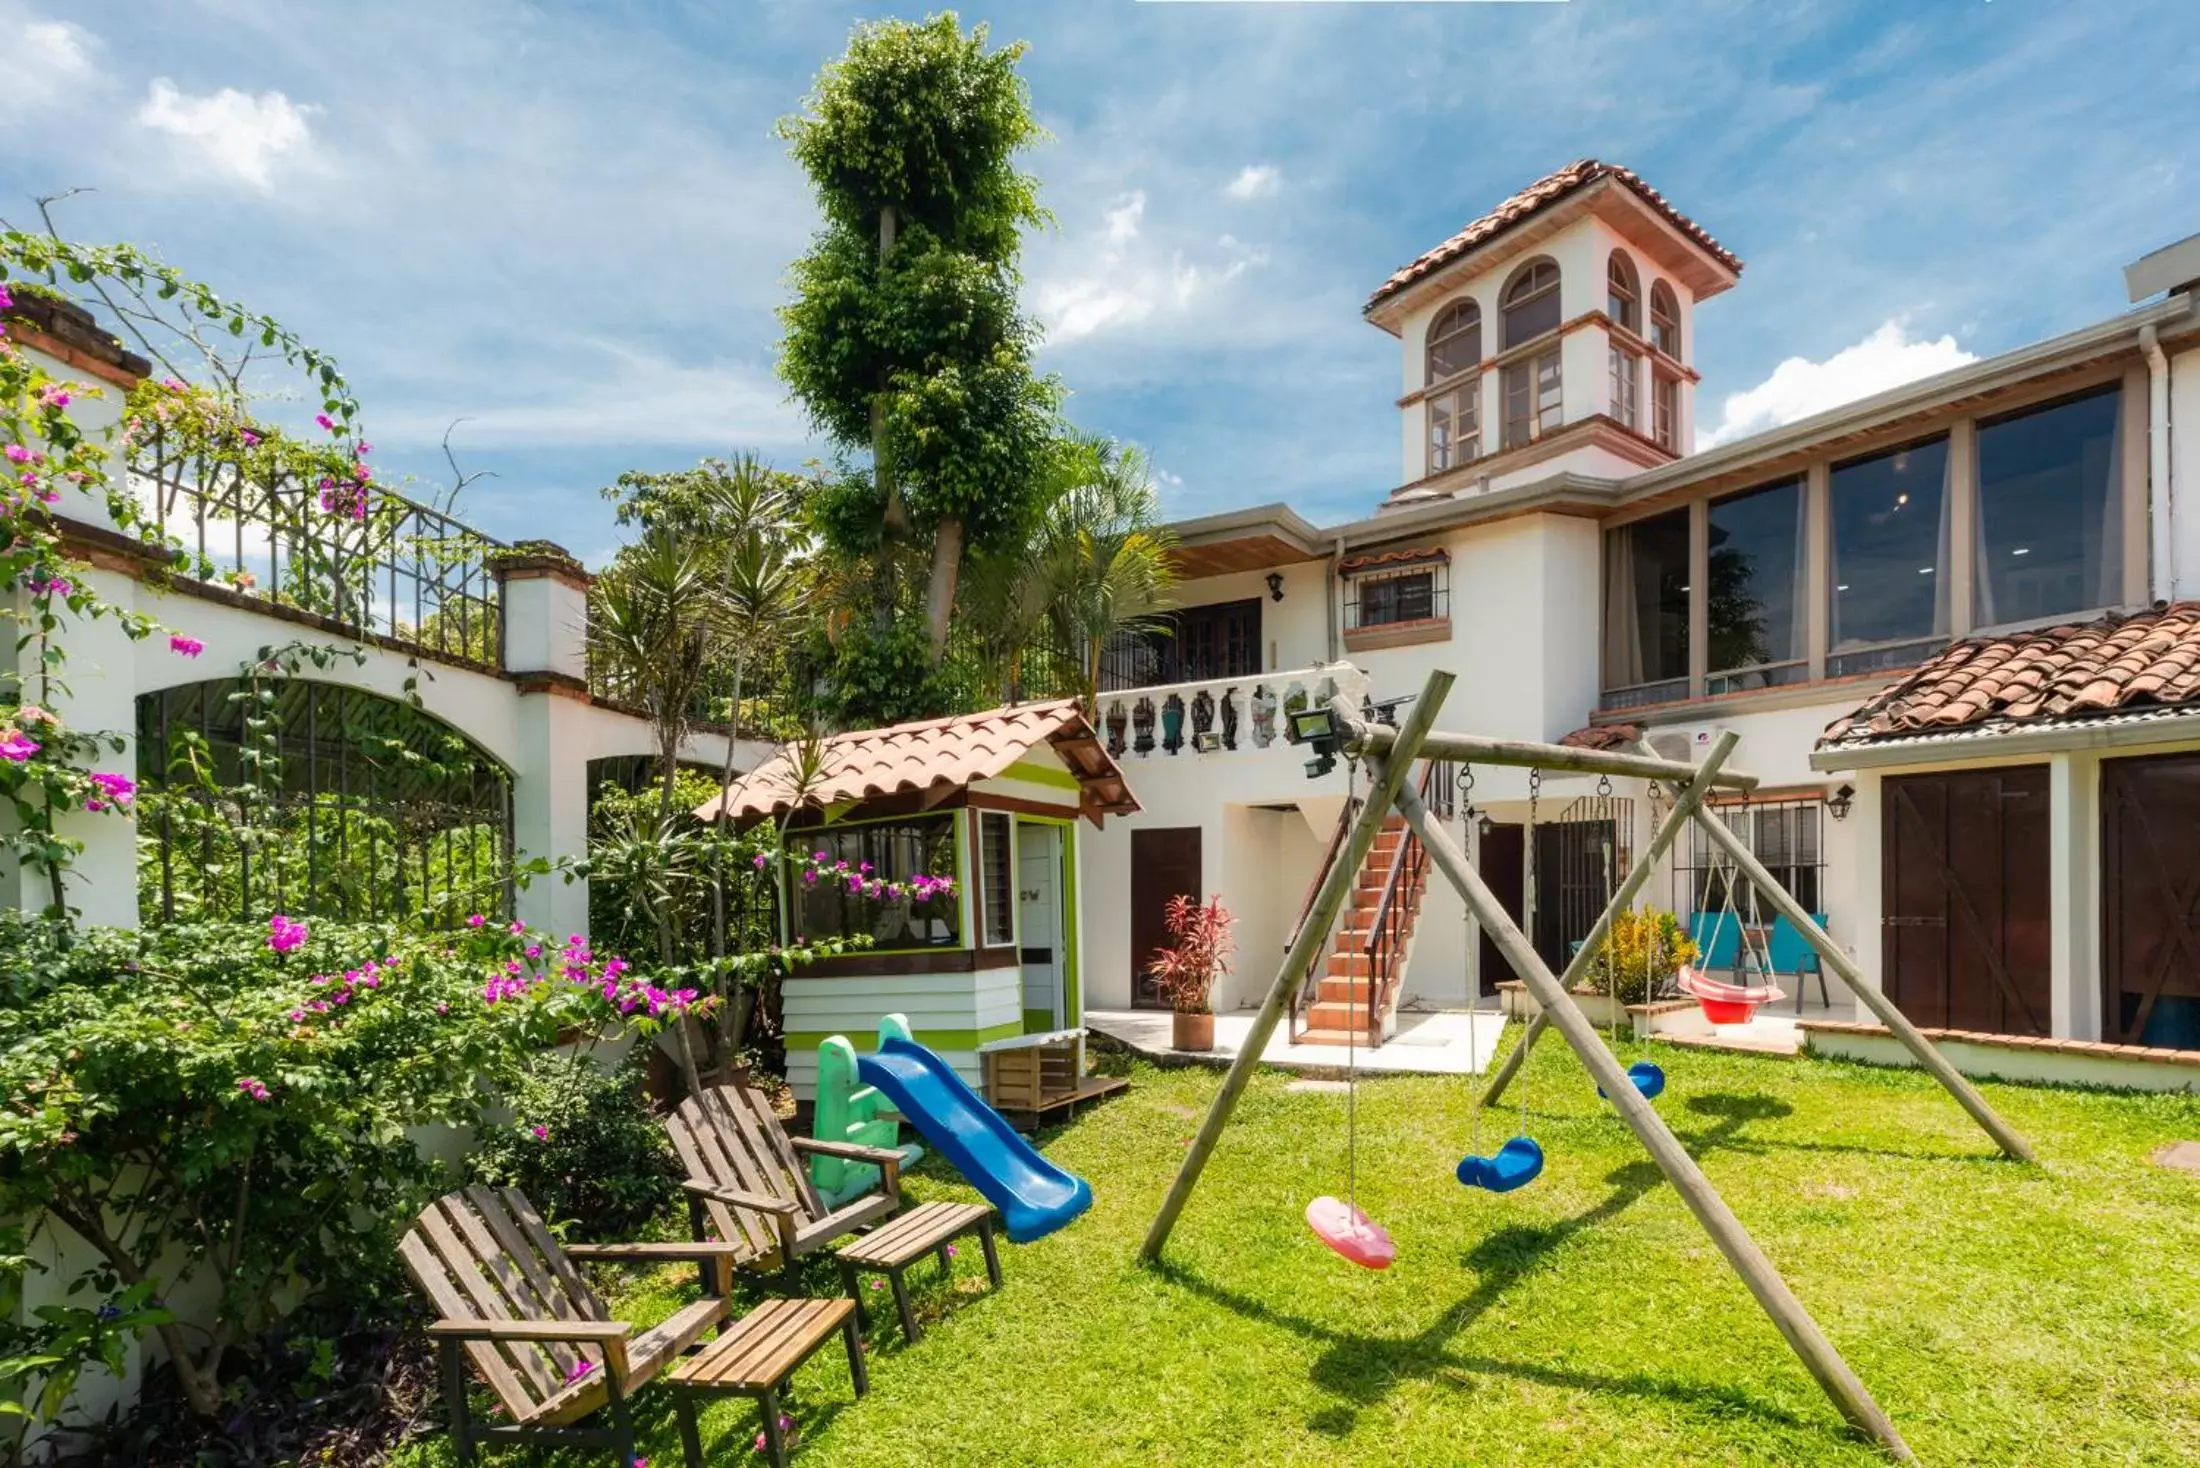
x=94, y=691
x=546, y=651
x=2073, y=875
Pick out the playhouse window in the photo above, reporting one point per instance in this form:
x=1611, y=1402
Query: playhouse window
x=884, y=891
x=996, y=883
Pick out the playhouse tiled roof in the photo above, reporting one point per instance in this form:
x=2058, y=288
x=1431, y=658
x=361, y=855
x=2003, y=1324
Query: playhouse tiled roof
x=2120, y=664
x=1604, y=737
x=1532, y=200
x=936, y=755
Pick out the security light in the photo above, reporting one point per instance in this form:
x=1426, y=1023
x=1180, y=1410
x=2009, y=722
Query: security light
x=1206, y=741
x=1317, y=728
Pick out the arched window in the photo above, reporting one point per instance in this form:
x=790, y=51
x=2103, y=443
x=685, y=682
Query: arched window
x=351, y=805
x=1623, y=292
x=1454, y=340
x=1531, y=303
x=1665, y=320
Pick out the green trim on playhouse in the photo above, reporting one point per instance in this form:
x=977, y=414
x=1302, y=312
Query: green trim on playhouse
x=943, y=1040
x=1033, y=772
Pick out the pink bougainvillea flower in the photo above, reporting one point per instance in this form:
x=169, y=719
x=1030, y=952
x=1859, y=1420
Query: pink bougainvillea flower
x=542, y=1133
x=115, y=788
x=251, y=439
x=6, y=300
x=17, y=454
x=31, y=713
x=253, y=1088
x=475, y=920
x=190, y=647
x=284, y=934
x=442, y=1007
x=16, y=748
x=517, y=927
x=579, y=1369
x=325, y=421
x=762, y=861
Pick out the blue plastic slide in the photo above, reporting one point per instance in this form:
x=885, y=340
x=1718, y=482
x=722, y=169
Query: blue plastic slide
x=1035, y=1197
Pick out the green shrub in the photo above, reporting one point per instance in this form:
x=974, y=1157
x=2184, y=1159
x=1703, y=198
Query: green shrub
x=583, y=1144
x=1646, y=947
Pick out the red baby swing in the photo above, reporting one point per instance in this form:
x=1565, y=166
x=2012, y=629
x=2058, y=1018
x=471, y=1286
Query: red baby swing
x=1721, y=1003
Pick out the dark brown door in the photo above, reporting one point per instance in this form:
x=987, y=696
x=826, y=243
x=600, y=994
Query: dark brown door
x=1164, y=864
x=2150, y=887
x=1963, y=861
x=1502, y=861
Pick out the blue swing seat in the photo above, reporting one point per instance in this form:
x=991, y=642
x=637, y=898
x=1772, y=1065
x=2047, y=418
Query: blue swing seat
x=1649, y=1080
x=1516, y=1164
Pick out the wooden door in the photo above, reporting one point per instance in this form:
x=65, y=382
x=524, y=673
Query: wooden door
x=1964, y=873
x=1502, y=860
x=2150, y=889
x=1164, y=864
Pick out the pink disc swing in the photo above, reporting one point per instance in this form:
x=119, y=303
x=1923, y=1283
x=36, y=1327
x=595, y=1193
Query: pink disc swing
x=1726, y=1004
x=1338, y=1222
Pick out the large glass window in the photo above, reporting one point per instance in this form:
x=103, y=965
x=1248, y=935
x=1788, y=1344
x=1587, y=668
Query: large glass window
x=1454, y=341
x=1531, y=303
x=1626, y=386
x=1890, y=558
x=1454, y=427
x=1534, y=398
x=889, y=887
x=2050, y=524
x=1646, y=610
x=1755, y=598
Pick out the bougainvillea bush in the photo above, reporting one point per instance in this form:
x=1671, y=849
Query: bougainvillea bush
x=234, y=1109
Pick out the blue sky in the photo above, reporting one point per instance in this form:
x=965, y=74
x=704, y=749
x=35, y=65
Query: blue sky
x=568, y=223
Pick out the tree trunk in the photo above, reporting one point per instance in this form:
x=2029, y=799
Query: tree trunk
x=939, y=597
x=882, y=464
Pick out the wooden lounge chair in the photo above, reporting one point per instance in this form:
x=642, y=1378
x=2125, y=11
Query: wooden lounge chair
x=747, y=1186
x=511, y=1300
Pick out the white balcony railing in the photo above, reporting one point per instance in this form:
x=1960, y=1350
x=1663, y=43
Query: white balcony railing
x=1219, y=715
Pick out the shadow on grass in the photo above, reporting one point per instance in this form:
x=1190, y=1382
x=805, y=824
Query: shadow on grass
x=1734, y=1106
x=1359, y=1370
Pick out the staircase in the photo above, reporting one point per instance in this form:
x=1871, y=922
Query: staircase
x=1351, y=997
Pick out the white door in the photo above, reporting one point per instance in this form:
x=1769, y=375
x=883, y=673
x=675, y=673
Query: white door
x=1039, y=916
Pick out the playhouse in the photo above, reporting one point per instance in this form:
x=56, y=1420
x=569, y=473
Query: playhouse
x=953, y=846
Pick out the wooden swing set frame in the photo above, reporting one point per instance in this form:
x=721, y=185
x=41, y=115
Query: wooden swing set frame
x=1389, y=755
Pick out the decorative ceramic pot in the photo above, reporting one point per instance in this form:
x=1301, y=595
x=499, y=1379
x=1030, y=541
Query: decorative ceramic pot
x=1195, y=1032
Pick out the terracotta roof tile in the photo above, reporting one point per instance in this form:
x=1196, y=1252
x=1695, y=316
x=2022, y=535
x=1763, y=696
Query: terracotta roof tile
x=1535, y=198
x=934, y=754
x=2140, y=660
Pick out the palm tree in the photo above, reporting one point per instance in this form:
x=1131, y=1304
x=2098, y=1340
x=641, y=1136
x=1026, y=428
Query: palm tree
x=657, y=624
x=1105, y=560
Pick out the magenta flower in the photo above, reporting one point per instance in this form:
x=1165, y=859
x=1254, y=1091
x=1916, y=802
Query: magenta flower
x=284, y=934
x=475, y=920
x=253, y=1088
x=54, y=396
x=517, y=927
x=579, y=1369
x=114, y=789
x=16, y=747
x=542, y=1133
x=17, y=454
x=325, y=421
x=51, y=586
x=6, y=300
x=762, y=861
x=251, y=439
x=441, y=1007
x=190, y=647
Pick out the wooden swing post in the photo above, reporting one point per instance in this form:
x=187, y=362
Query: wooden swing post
x=1787, y=1313
x=1688, y=798
x=1306, y=949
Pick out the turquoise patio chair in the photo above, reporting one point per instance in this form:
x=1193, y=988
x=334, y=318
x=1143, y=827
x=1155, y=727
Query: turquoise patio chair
x=1718, y=940
x=1790, y=954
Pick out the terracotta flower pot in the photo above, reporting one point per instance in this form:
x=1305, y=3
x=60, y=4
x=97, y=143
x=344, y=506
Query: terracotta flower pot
x=1192, y=1031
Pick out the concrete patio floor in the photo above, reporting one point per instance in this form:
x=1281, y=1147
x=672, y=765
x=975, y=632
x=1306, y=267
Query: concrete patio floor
x=1439, y=1042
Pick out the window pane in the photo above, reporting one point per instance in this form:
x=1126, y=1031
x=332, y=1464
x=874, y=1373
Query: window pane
x=1548, y=404
x=1408, y=598
x=1623, y=386
x=1531, y=306
x=997, y=890
x=1890, y=546
x=1646, y=600
x=1668, y=411
x=2050, y=512
x=1455, y=345
x=879, y=898
x=1756, y=573
x=1452, y=432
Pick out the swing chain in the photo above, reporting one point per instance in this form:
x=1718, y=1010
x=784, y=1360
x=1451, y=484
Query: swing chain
x=1604, y=787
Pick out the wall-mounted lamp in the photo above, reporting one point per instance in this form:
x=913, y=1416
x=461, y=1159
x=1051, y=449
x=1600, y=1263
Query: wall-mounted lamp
x=1206, y=741
x=1485, y=825
x=1275, y=586
x=1317, y=727
x=1841, y=801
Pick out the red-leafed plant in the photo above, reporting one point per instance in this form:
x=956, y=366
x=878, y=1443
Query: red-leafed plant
x=1187, y=967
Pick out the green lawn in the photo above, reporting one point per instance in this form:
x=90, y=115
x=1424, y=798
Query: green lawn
x=2003, y=1314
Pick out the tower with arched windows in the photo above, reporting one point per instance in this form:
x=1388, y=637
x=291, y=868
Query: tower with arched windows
x=1551, y=335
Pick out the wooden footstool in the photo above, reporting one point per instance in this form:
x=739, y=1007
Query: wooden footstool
x=755, y=1356
x=898, y=1243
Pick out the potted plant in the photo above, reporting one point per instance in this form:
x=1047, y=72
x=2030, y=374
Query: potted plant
x=1645, y=949
x=1186, y=967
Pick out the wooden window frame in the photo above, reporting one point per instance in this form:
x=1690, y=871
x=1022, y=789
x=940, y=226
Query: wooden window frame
x=1458, y=409
x=1665, y=320
x=988, y=911
x=1665, y=411
x=1460, y=318
x=1624, y=381
x=1623, y=291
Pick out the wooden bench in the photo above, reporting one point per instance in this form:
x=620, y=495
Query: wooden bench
x=892, y=1247
x=755, y=1356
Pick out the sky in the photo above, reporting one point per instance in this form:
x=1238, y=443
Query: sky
x=565, y=226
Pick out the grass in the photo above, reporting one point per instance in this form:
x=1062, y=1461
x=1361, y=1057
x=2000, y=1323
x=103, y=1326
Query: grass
x=2002, y=1314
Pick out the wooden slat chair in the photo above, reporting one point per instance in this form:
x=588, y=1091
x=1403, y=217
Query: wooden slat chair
x=746, y=1184
x=512, y=1301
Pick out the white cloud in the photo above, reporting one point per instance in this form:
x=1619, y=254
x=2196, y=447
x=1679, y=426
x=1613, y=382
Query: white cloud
x=1254, y=181
x=44, y=59
x=1799, y=387
x=234, y=132
x=1125, y=279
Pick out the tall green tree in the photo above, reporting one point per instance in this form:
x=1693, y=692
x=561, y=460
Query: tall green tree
x=904, y=341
